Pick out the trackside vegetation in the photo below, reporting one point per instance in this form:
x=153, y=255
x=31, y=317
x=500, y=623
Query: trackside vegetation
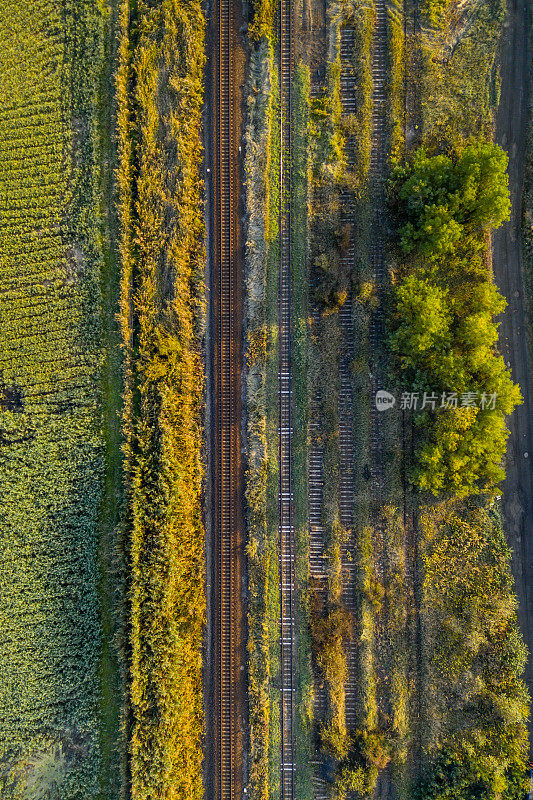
x=454, y=71
x=330, y=624
x=262, y=143
x=51, y=453
x=444, y=321
x=162, y=312
x=262, y=251
x=475, y=704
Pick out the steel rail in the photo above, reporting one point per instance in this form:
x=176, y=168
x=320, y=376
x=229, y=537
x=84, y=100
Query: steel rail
x=286, y=524
x=226, y=789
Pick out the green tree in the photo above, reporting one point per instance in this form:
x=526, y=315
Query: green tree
x=424, y=320
x=442, y=200
x=463, y=453
x=436, y=234
x=485, y=201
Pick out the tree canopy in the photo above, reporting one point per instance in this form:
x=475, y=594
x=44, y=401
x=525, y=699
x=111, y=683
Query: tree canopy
x=444, y=328
x=443, y=199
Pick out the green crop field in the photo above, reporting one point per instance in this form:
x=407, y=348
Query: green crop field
x=50, y=439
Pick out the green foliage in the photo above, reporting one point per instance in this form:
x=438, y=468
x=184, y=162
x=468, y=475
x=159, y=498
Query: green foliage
x=435, y=10
x=331, y=629
x=263, y=19
x=368, y=754
x=444, y=200
x=163, y=258
x=425, y=320
x=50, y=439
x=472, y=703
x=444, y=334
x=460, y=775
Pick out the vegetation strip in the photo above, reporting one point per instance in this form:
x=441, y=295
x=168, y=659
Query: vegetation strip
x=441, y=229
x=162, y=317
x=445, y=303
x=261, y=369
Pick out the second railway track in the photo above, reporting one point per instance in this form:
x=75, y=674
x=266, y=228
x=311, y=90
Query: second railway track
x=286, y=522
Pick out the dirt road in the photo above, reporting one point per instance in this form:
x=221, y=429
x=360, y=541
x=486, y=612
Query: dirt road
x=511, y=132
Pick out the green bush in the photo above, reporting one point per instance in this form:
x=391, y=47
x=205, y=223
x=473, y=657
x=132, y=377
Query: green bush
x=445, y=199
x=469, y=775
x=369, y=753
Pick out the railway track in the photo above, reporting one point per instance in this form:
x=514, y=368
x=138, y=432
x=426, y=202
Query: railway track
x=286, y=524
x=318, y=562
x=227, y=301
x=376, y=178
x=346, y=399
x=377, y=171
x=378, y=445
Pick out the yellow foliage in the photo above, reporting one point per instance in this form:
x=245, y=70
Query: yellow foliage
x=160, y=96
